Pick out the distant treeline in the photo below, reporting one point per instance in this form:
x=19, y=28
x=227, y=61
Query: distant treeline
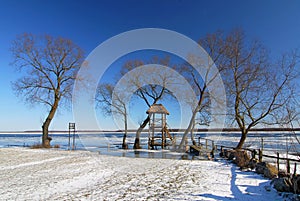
x=171, y=130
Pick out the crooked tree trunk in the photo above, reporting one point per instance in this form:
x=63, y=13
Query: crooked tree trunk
x=188, y=128
x=192, y=133
x=45, y=138
x=191, y=123
x=242, y=140
x=138, y=133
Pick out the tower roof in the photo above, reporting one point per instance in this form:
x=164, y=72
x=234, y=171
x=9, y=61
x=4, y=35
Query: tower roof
x=157, y=108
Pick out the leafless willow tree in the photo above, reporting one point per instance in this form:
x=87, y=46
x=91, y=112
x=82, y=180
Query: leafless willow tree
x=111, y=102
x=257, y=88
x=48, y=69
x=214, y=45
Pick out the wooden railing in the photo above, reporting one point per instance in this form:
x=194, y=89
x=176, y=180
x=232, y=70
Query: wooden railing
x=210, y=144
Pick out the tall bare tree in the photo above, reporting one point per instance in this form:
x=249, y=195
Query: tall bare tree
x=111, y=102
x=202, y=84
x=258, y=89
x=49, y=66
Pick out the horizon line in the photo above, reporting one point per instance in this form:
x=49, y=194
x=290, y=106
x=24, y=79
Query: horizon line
x=146, y=130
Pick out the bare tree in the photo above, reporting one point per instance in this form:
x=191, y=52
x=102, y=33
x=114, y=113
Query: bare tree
x=110, y=104
x=49, y=67
x=257, y=89
x=202, y=84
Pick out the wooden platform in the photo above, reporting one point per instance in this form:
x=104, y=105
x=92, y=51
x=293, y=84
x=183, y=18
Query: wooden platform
x=198, y=150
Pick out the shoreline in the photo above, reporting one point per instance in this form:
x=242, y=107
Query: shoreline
x=40, y=174
x=203, y=130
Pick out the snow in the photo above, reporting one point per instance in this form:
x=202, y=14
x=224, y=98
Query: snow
x=29, y=174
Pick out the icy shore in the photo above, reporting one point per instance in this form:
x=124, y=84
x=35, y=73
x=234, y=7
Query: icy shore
x=27, y=174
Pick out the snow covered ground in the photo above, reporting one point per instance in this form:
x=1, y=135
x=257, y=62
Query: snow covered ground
x=27, y=174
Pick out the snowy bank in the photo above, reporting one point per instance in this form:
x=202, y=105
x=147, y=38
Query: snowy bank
x=27, y=174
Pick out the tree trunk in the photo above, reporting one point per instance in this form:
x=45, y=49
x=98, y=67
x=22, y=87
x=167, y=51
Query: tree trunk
x=188, y=129
x=242, y=140
x=45, y=138
x=192, y=133
x=124, y=144
x=138, y=133
x=191, y=124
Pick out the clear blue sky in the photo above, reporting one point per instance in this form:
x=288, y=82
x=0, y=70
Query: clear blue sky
x=88, y=23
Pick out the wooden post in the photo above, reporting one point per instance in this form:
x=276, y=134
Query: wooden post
x=288, y=169
x=206, y=143
x=222, y=152
x=162, y=132
x=260, y=153
x=149, y=141
x=73, y=146
x=69, y=143
x=71, y=129
x=199, y=141
x=278, y=161
x=149, y=133
x=253, y=153
x=162, y=140
x=295, y=169
x=212, y=153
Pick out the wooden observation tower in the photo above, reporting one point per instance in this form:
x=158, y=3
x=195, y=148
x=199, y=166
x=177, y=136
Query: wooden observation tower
x=158, y=132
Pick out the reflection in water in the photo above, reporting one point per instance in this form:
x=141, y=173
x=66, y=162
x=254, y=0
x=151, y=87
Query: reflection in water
x=136, y=154
x=145, y=153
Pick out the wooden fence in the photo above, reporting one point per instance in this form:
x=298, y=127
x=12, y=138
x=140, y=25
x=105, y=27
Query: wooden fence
x=209, y=144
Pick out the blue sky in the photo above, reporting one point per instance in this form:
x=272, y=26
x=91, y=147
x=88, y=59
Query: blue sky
x=88, y=23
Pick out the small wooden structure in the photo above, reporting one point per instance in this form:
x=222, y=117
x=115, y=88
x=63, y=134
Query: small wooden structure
x=71, y=131
x=158, y=132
